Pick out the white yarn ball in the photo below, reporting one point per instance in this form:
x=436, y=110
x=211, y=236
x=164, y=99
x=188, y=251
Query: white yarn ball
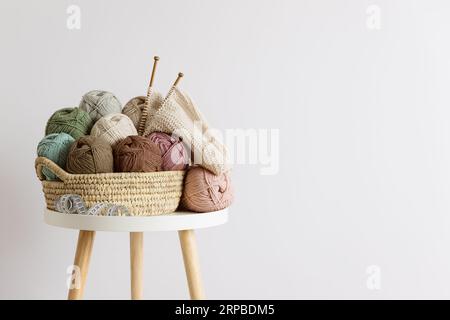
x=113, y=128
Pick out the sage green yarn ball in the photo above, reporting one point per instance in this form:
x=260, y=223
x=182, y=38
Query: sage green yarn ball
x=99, y=103
x=73, y=121
x=55, y=147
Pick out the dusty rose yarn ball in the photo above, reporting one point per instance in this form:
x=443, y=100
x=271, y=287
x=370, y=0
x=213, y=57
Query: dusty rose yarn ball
x=204, y=192
x=173, y=151
x=137, y=154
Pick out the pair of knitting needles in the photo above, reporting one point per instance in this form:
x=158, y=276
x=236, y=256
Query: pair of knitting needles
x=155, y=63
x=143, y=120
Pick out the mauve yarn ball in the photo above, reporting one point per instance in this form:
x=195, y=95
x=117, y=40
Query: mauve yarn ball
x=99, y=103
x=133, y=109
x=113, y=128
x=73, y=121
x=137, y=154
x=90, y=154
x=55, y=147
x=205, y=192
x=173, y=151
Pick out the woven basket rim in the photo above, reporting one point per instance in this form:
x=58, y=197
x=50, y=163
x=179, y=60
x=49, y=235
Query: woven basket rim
x=64, y=175
x=127, y=174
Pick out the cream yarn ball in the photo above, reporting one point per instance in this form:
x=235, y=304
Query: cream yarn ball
x=113, y=128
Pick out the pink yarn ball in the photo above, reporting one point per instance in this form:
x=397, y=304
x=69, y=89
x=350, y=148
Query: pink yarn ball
x=173, y=151
x=204, y=192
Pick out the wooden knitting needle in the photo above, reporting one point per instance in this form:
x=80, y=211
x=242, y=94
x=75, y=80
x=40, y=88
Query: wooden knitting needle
x=144, y=114
x=155, y=63
x=180, y=75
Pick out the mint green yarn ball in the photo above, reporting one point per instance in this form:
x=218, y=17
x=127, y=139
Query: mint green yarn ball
x=73, y=121
x=55, y=147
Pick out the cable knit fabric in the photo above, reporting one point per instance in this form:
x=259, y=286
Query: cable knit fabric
x=179, y=115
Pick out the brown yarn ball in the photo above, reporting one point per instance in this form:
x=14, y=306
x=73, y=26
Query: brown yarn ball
x=137, y=154
x=90, y=154
x=204, y=191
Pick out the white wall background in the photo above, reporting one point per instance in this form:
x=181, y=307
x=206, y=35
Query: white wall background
x=364, y=122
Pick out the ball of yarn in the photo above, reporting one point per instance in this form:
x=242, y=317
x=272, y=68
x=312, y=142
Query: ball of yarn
x=173, y=151
x=55, y=147
x=133, y=109
x=99, y=103
x=73, y=121
x=205, y=192
x=90, y=154
x=113, y=128
x=137, y=154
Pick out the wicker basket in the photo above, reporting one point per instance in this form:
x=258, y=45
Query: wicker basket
x=144, y=194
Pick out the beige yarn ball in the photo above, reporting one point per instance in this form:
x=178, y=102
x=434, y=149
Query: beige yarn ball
x=113, y=128
x=133, y=109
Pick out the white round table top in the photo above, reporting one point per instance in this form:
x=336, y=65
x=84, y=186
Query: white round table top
x=178, y=220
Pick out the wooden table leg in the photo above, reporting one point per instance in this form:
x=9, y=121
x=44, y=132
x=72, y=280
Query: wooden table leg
x=136, y=261
x=191, y=264
x=82, y=258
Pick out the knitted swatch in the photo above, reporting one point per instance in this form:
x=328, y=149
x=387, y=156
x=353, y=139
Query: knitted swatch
x=179, y=116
